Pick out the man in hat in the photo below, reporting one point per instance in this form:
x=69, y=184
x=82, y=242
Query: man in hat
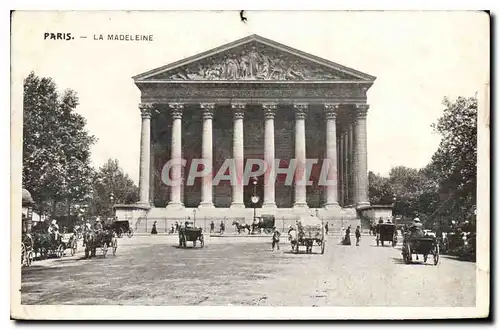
x=276, y=238
x=416, y=228
x=98, y=225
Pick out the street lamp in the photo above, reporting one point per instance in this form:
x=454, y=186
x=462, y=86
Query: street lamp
x=111, y=199
x=255, y=198
x=194, y=218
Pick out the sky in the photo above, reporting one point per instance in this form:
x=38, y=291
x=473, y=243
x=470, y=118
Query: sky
x=417, y=57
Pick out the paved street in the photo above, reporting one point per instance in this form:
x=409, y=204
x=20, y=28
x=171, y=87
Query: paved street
x=244, y=271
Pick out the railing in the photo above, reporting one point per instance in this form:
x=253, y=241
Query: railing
x=167, y=226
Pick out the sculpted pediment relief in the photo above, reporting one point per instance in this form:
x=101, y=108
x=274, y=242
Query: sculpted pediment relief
x=253, y=61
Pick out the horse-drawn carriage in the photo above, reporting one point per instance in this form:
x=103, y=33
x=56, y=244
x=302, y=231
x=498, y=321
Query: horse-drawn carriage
x=424, y=245
x=386, y=232
x=46, y=244
x=309, y=230
x=122, y=227
x=100, y=240
x=192, y=234
x=70, y=241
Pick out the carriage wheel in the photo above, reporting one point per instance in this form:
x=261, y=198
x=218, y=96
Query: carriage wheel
x=130, y=233
x=104, y=249
x=23, y=254
x=323, y=247
x=194, y=243
x=115, y=246
x=120, y=234
x=436, y=255
x=408, y=252
x=202, y=241
x=29, y=258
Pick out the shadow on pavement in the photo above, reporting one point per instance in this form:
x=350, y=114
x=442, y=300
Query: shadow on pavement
x=400, y=261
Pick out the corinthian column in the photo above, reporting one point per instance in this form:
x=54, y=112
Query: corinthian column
x=175, y=189
x=206, y=154
x=360, y=157
x=300, y=156
x=269, y=154
x=238, y=156
x=332, y=200
x=145, y=159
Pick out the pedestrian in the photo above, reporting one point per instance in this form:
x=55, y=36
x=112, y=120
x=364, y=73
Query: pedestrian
x=222, y=227
x=276, y=239
x=358, y=235
x=154, y=231
x=347, y=238
x=326, y=228
x=212, y=227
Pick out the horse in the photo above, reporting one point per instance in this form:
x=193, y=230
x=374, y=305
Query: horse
x=90, y=241
x=293, y=237
x=239, y=227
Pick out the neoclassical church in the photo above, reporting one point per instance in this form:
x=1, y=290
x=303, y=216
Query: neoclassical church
x=253, y=98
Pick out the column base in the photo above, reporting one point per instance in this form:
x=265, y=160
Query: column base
x=237, y=206
x=300, y=205
x=331, y=206
x=175, y=205
x=269, y=206
x=362, y=204
x=143, y=204
x=206, y=205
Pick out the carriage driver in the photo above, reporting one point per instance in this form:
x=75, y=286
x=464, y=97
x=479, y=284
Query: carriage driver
x=54, y=230
x=416, y=228
x=98, y=225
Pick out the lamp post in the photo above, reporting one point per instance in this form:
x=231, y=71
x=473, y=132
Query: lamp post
x=255, y=198
x=111, y=199
x=194, y=218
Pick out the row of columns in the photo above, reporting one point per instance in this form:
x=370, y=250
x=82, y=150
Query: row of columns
x=352, y=142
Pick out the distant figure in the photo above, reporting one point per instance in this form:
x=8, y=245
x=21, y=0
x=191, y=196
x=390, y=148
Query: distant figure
x=347, y=238
x=172, y=229
x=326, y=228
x=276, y=239
x=358, y=235
x=212, y=227
x=416, y=228
x=177, y=226
x=54, y=230
x=154, y=231
x=222, y=227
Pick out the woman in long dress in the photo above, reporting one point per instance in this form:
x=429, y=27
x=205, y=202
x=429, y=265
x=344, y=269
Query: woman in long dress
x=347, y=239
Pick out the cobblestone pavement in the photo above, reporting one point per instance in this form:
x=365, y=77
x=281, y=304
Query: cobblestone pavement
x=245, y=271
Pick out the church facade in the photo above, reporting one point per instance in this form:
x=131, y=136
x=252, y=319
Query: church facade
x=253, y=99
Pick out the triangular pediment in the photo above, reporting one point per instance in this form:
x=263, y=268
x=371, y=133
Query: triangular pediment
x=254, y=58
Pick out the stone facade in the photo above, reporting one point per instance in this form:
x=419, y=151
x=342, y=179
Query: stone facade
x=254, y=98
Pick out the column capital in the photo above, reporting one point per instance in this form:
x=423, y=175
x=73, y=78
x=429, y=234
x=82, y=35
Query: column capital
x=146, y=109
x=300, y=110
x=269, y=110
x=207, y=110
x=238, y=110
x=331, y=110
x=176, y=109
x=361, y=111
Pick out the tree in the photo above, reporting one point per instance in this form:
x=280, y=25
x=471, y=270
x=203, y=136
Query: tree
x=455, y=161
x=379, y=189
x=56, y=145
x=111, y=186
